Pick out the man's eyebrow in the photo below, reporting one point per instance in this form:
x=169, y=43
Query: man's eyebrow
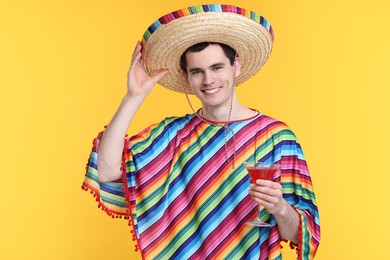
x=194, y=69
x=218, y=64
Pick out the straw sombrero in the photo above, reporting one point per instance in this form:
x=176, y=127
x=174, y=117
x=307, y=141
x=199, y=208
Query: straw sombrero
x=248, y=33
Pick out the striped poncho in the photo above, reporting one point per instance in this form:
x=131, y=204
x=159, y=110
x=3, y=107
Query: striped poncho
x=184, y=189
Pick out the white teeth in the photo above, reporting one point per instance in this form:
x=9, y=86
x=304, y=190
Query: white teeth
x=211, y=91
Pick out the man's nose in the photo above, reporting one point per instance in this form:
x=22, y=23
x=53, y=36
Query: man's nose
x=208, y=78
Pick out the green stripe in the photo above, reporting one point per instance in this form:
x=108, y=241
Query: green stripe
x=295, y=188
x=305, y=237
x=118, y=201
x=247, y=241
x=199, y=8
x=264, y=149
x=284, y=135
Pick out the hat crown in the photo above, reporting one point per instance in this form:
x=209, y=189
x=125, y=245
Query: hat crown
x=165, y=40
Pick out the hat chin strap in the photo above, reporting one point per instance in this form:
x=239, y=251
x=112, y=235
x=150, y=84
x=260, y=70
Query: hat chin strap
x=225, y=125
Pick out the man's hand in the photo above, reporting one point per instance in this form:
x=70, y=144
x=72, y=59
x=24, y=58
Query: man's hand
x=139, y=84
x=268, y=194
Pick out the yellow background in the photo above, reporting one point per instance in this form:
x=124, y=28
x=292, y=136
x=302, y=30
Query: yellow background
x=63, y=68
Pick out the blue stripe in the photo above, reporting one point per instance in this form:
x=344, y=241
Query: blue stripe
x=265, y=23
x=152, y=28
x=215, y=8
x=112, y=187
x=206, y=8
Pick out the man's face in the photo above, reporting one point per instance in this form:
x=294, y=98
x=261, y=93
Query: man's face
x=211, y=75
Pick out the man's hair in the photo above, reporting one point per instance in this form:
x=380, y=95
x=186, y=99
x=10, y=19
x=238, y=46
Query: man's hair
x=229, y=52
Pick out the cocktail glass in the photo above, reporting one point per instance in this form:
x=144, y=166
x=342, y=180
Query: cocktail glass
x=264, y=171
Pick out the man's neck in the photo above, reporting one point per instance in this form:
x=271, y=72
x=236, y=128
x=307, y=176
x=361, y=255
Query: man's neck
x=221, y=114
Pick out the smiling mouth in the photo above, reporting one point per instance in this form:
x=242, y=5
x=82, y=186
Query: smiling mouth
x=211, y=91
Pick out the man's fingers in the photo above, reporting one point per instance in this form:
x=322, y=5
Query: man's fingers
x=135, y=59
x=137, y=49
x=136, y=55
x=159, y=75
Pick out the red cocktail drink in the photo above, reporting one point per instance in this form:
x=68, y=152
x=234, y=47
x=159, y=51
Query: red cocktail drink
x=261, y=171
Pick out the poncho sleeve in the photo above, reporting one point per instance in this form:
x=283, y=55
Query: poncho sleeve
x=117, y=198
x=298, y=192
x=109, y=195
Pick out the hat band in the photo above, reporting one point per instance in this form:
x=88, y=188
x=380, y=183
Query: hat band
x=207, y=8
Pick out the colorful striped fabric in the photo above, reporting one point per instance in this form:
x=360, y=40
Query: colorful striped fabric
x=207, y=8
x=186, y=201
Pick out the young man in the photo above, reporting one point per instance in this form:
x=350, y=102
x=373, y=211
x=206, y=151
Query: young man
x=182, y=182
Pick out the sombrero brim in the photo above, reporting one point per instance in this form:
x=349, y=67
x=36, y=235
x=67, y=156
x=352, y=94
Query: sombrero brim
x=248, y=33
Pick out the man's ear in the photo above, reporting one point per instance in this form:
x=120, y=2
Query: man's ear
x=183, y=75
x=237, y=66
